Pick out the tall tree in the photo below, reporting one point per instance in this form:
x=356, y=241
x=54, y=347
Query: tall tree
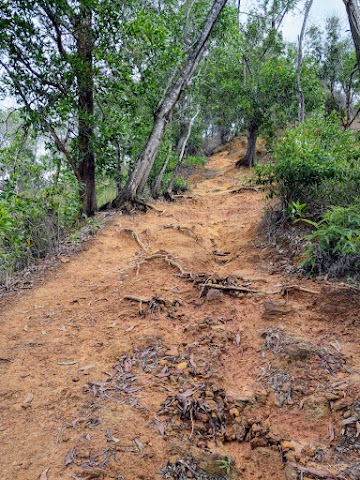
x=46, y=56
x=141, y=171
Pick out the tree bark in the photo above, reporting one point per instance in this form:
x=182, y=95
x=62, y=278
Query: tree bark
x=301, y=108
x=353, y=13
x=140, y=173
x=155, y=188
x=249, y=159
x=85, y=81
x=181, y=149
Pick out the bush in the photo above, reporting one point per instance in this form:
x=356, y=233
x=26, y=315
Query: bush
x=315, y=163
x=180, y=185
x=334, y=246
x=32, y=223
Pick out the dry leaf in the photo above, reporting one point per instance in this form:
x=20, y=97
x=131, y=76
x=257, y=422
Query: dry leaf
x=70, y=362
x=43, y=475
x=87, y=367
x=29, y=398
x=130, y=328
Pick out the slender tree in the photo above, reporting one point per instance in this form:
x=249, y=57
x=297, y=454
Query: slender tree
x=141, y=171
x=301, y=109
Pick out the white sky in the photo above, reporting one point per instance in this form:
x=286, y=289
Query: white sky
x=320, y=10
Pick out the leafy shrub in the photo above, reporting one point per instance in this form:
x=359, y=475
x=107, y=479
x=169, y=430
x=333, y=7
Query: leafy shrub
x=180, y=185
x=315, y=163
x=32, y=223
x=334, y=246
x=194, y=160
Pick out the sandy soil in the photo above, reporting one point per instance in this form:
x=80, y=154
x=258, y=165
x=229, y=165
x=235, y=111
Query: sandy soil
x=126, y=362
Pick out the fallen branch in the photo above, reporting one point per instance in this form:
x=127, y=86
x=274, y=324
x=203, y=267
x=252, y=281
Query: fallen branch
x=234, y=288
x=136, y=237
x=286, y=288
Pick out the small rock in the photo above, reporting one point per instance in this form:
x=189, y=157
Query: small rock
x=285, y=445
x=258, y=442
x=308, y=451
x=214, y=294
x=234, y=412
x=182, y=365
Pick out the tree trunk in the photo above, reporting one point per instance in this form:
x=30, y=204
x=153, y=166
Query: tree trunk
x=353, y=13
x=301, y=108
x=155, y=188
x=86, y=161
x=181, y=149
x=249, y=159
x=140, y=173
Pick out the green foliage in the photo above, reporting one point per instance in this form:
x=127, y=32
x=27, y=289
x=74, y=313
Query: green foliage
x=180, y=185
x=316, y=164
x=334, y=245
x=195, y=160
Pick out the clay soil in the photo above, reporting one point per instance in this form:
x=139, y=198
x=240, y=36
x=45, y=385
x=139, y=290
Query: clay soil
x=172, y=343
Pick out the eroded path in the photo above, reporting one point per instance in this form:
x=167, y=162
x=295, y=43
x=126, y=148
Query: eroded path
x=126, y=362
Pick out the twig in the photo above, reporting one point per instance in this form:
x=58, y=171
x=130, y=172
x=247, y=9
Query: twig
x=166, y=259
x=136, y=237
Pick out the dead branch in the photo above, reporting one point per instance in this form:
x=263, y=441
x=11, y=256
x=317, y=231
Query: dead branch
x=137, y=299
x=234, y=288
x=242, y=189
x=136, y=237
x=287, y=288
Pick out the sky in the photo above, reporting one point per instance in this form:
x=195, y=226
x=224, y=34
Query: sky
x=320, y=10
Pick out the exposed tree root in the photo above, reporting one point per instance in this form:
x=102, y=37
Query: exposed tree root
x=165, y=256
x=136, y=237
x=154, y=303
x=180, y=228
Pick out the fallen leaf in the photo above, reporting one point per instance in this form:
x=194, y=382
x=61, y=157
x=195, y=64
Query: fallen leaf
x=87, y=367
x=29, y=398
x=43, y=475
x=43, y=332
x=26, y=328
x=238, y=339
x=160, y=426
x=70, y=362
x=130, y=328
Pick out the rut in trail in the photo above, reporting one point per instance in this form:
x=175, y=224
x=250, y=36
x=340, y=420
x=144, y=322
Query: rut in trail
x=171, y=344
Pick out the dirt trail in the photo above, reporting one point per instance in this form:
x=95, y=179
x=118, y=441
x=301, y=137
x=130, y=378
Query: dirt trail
x=121, y=364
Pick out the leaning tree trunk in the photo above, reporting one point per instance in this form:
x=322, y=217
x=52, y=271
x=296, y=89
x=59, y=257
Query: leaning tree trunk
x=249, y=159
x=155, y=188
x=301, y=107
x=140, y=173
x=86, y=162
x=181, y=149
x=353, y=13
